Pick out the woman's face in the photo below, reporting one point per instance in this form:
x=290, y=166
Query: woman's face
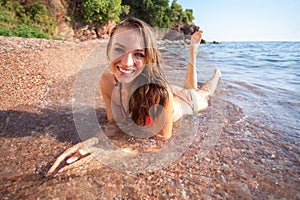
x=127, y=54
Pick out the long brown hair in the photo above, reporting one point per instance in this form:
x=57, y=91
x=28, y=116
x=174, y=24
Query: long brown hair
x=151, y=85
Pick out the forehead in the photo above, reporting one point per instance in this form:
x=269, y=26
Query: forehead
x=131, y=39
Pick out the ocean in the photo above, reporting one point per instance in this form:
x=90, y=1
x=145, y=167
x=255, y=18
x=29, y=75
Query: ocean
x=261, y=82
x=265, y=80
x=262, y=78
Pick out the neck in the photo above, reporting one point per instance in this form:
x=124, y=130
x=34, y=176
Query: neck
x=124, y=98
x=126, y=86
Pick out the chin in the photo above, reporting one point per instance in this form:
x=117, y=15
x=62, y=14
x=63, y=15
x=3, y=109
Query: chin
x=126, y=80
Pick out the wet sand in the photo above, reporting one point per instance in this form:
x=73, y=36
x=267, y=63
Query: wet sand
x=235, y=157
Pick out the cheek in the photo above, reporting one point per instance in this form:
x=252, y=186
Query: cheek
x=112, y=65
x=140, y=68
x=140, y=63
x=113, y=61
x=113, y=57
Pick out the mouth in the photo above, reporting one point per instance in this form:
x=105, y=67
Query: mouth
x=126, y=71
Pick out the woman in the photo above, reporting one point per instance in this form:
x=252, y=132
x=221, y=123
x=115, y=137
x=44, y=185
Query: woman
x=135, y=88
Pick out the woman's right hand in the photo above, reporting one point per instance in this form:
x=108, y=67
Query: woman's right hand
x=71, y=157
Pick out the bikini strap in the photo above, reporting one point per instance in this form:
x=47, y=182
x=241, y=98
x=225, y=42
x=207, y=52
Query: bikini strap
x=121, y=101
x=117, y=83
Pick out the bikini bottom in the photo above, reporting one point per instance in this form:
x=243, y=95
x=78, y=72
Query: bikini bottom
x=188, y=96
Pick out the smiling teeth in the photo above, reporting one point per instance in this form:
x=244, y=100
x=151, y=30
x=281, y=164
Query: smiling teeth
x=126, y=71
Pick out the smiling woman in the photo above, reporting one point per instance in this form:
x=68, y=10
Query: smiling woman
x=136, y=72
x=135, y=89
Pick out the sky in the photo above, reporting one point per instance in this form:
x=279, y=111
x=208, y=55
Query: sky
x=246, y=20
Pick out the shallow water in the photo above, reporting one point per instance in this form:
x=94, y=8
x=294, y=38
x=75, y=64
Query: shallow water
x=267, y=82
x=244, y=146
x=262, y=81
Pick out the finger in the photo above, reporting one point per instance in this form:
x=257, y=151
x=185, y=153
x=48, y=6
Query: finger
x=77, y=155
x=55, y=166
x=76, y=164
x=61, y=159
x=72, y=159
x=83, y=152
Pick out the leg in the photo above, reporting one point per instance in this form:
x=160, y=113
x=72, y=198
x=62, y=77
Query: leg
x=212, y=84
x=191, y=73
x=201, y=96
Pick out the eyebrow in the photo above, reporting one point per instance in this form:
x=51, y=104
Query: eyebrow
x=120, y=45
x=125, y=47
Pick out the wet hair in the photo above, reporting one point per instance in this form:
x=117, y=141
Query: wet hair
x=151, y=86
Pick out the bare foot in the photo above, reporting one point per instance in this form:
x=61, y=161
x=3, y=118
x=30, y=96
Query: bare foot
x=213, y=83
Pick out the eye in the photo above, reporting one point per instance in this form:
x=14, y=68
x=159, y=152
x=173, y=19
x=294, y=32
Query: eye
x=119, y=50
x=139, y=55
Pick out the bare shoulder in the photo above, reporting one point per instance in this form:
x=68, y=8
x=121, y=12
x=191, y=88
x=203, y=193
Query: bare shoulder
x=107, y=82
x=107, y=76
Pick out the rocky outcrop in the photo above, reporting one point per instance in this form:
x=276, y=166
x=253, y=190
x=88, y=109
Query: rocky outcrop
x=173, y=35
x=73, y=30
x=170, y=36
x=92, y=31
x=104, y=31
x=189, y=29
x=64, y=29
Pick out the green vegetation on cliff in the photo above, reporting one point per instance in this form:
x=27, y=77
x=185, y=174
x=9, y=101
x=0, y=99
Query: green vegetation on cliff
x=101, y=10
x=34, y=18
x=157, y=13
x=18, y=18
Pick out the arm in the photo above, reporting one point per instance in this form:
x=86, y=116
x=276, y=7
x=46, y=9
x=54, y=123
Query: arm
x=75, y=155
x=166, y=130
x=106, y=86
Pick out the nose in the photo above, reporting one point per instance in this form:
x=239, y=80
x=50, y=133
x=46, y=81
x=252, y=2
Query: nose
x=128, y=59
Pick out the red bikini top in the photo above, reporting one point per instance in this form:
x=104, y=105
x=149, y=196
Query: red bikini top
x=148, y=121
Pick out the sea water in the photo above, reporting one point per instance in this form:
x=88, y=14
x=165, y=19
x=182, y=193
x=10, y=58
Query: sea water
x=263, y=78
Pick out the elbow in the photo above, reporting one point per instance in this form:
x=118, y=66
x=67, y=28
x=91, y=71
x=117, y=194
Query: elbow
x=166, y=134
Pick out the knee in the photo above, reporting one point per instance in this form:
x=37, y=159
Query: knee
x=204, y=88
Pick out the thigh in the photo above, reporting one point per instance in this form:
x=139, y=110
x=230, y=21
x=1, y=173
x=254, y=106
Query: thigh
x=199, y=100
